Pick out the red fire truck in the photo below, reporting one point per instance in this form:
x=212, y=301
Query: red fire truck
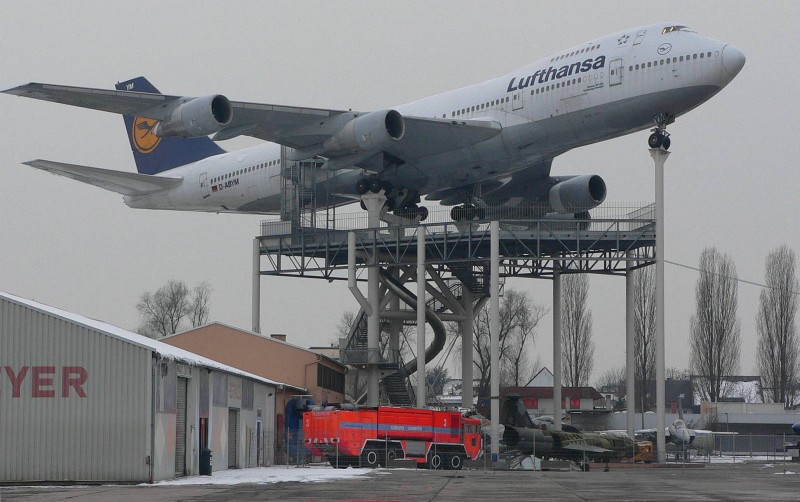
x=370, y=436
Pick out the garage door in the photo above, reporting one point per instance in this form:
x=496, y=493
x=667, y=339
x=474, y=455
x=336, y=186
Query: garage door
x=180, y=430
x=233, y=437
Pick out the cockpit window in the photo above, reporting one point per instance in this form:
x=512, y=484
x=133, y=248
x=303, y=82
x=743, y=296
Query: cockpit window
x=671, y=29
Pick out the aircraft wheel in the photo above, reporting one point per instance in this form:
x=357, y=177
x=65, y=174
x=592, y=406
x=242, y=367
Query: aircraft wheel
x=665, y=143
x=458, y=213
x=480, y=213
x=362, y=186
x=370, y=458
x=423, y=213
x=363, y=206
x=470, y=212
x=655, y=140
x=375, y=185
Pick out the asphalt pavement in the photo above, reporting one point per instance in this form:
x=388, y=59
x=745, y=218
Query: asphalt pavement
x=729, y=482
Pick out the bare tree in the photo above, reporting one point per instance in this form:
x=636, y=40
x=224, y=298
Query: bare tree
x=778, y=345
x=164, y=311
x=714, y=337
x=644, y=329
x=612, y=378
x=355, y=380
x=519, y=317
x=673, y=373
x=199, y=306
x=577, y=354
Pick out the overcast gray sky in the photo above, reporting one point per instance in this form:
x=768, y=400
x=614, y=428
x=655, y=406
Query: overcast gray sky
x=731, y=181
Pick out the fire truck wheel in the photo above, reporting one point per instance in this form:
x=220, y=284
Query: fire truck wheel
x=456, y=462
x=370, y=458
x=434, y=461
x=391, y=455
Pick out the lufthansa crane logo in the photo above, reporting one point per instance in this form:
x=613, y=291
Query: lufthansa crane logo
x=142, y=134
x=664, y=48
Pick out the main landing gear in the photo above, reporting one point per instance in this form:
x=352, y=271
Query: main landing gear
x=660, y=136
x=402, y=203
x=467, y=212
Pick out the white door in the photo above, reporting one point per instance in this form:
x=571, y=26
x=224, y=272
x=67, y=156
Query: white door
x=205, y=187
x=615, y=72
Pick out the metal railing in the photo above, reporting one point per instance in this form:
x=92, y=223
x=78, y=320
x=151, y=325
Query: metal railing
x=634, y=214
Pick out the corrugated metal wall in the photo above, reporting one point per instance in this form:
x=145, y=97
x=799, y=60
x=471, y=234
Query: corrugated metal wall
x=48, y=431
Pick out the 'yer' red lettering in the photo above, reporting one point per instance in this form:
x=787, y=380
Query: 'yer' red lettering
x=43, y=382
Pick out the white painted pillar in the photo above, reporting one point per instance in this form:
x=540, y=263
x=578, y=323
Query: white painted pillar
x=659, y=158
x=494, y=338
x=557, y=410
x=630, y=364
x=374, y=203
x=466, y=347
x=256, y=286
x=421, y=387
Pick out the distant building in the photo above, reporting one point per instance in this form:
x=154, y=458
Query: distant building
x=539, y=400
x=544, y=378
x=321, y=376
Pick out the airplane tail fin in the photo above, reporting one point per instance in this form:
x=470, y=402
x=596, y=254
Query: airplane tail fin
x=153, y=154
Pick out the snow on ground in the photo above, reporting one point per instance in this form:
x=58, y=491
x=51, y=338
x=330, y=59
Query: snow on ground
x=263, y=475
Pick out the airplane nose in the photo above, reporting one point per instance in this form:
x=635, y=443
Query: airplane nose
x=732, y=60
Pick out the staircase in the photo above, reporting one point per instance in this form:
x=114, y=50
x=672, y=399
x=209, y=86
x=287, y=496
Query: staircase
x=396, y=389
x=474, y=277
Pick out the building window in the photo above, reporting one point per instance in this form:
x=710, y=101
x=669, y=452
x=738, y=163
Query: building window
x=330, y=379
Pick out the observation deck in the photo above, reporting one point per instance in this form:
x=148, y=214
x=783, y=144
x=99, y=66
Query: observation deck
x=613, y=236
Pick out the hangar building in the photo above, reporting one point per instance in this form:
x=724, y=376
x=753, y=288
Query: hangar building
x=85, y=401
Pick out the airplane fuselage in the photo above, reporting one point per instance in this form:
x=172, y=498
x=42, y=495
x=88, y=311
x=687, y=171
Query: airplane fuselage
x=601, y=89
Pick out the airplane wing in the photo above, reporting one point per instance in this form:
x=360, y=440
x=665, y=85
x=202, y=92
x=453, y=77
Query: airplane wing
x=121, y=182
x=304, y=129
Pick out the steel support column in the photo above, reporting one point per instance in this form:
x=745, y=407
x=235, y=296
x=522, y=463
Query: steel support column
x=557, y=410
x=630, y=347
x=659, y=158
x=421, y=387
x=374, y=203
x=466, y=347
x=256, y=286
x=494, y=338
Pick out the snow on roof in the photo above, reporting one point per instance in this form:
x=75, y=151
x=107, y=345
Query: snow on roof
x=164, y=350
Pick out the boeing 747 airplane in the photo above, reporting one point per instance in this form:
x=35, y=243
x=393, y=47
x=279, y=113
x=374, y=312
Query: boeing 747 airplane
x=482, y=147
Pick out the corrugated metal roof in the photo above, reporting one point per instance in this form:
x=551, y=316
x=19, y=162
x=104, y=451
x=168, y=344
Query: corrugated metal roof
x=162, y=349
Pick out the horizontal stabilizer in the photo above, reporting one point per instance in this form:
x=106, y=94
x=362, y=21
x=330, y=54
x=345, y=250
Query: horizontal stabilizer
x=117, y=181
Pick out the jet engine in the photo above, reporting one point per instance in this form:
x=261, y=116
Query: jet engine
x=577, y=194
x=196, y=117
x=367, y=133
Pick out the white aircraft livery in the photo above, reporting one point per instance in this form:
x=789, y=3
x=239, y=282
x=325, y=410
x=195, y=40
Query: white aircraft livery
x=482, y=147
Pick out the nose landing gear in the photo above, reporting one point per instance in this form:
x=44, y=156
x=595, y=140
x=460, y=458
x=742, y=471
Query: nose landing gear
x=660, y=136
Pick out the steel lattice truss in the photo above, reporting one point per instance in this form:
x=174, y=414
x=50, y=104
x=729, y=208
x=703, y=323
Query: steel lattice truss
x=528, y=248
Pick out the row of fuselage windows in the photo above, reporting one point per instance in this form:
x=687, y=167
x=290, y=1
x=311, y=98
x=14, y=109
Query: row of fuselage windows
x=246, y=170
x=573, y=53
x=490, y=104
x=676, y=59
x=479, y=107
